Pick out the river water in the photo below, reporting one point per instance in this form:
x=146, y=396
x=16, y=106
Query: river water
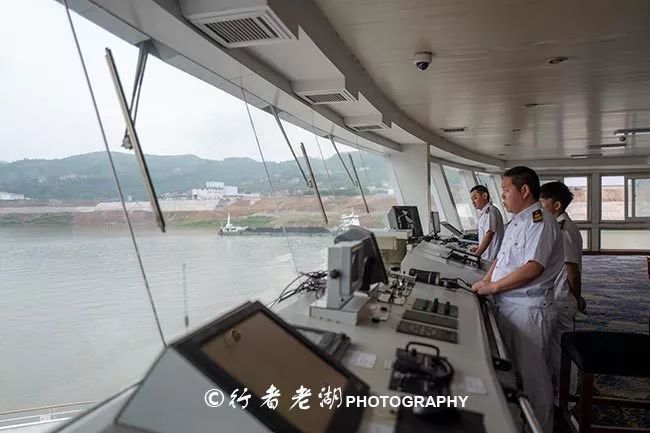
x=76, y=323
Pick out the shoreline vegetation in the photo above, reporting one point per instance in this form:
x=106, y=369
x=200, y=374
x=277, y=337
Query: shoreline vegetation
x=298, y=215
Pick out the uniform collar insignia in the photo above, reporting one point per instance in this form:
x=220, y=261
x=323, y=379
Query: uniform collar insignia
x=538, y=216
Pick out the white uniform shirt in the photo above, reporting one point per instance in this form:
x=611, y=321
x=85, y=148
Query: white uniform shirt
x=490, y=219
x=532, y=235
x=572, y=254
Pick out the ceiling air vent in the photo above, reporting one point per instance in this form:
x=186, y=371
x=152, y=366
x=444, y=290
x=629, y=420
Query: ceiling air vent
x=365, y=123
x=254, y=24
x=327, y=91
x=453, y=130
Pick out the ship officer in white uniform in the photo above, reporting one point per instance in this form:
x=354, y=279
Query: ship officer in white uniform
x=490, y=224
x=521, y=280
x=555, y=197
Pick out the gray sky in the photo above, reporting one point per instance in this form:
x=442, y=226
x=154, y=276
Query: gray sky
x=46, y=109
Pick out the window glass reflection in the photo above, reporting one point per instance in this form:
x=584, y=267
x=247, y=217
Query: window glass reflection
x=76, y=321
x=459, y=183
x=612, y=198
x=578, y=209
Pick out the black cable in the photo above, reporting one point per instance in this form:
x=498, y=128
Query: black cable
x=275, y=301
x=312, y=284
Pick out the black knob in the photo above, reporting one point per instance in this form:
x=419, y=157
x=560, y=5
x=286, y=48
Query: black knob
x=334, y=274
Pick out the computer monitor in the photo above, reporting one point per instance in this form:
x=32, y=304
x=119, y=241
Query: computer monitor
x=374, y=270
x=435, y=222
x=405, y=218
x=253, y=348
x=345, y=262
x=454, y=231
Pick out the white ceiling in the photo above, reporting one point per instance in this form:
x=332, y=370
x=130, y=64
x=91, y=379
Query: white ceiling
x=489, y=60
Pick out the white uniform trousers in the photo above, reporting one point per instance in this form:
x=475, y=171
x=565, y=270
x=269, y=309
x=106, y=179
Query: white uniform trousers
x=526, y=332
x=565, y=316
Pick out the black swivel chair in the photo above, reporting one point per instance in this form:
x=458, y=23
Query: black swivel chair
x=611, y=353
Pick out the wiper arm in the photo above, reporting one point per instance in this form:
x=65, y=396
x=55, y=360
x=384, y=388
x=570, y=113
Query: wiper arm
x=133, y=138
x=354, y=182
x=358, y=183
x=313, y=179
x=309, y=183
x=143, y=55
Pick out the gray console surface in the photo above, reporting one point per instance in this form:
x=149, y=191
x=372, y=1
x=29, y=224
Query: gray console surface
x=470, y=357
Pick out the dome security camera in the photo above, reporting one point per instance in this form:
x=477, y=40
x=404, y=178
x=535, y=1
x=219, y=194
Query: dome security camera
x=622, y=138
x=422, y=59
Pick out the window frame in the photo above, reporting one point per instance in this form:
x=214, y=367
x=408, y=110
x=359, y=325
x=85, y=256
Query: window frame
x=562, y=178
x=495, y=179
x=630, y=202
x=464, y=174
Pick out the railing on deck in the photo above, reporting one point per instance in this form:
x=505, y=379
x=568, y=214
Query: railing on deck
x=14, y=419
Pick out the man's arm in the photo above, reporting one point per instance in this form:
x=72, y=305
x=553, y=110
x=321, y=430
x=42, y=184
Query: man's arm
x=488, y=276
x=486, y=279
x=517, y=278
x=574, y=278
x=485, y=243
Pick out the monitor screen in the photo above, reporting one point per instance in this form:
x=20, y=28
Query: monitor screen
x=253, y=348
x=454, y=231
x=405, y=218
x=435, y=222
x=356, y=269
x=372, y=266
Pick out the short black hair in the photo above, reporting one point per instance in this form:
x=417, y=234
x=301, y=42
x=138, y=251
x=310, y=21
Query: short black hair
x=557, y=191
x=481, y=189
x=521, y=176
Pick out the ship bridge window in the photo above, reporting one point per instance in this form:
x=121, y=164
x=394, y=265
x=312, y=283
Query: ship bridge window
x=460, y=182
x=70, y=282
x=612, y=198
x=490, y=181
x=338, y=180
x=638, y=197
x=441, y=196
x=375, y=175
x=578, y=210
x=624, y=240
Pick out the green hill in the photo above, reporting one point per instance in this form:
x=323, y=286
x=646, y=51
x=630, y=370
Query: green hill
x=88, y=177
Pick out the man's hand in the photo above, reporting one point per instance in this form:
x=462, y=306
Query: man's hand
x=473, y=248
x=484, y=288
x=582, y=305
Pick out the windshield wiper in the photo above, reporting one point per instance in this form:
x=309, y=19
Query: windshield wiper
x=313, y=179
x=133, y=139
x=355, y=183
x=363, y=196
x=309, y=183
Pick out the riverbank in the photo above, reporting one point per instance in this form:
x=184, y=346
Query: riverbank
x=301, y=214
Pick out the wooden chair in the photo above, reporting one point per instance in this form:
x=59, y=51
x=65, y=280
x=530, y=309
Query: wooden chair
x=610, y=353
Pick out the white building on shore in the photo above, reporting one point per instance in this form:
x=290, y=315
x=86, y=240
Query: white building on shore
x=11, y=196
x=214, y=191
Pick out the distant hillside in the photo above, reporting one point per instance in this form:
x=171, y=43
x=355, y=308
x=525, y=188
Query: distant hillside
x=89, y=177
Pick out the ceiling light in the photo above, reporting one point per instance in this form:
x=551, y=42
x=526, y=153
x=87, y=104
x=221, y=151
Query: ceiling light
x=530, y=105
x=608, y=146
x=556, y=60
x=631, y=131
x=586, y=155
